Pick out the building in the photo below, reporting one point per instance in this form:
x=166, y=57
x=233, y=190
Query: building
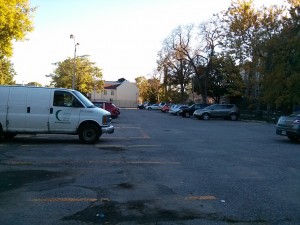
x=122, y=93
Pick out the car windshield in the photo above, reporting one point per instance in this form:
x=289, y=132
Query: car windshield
x=87, y=103
x=296, y=113
x=208, y=107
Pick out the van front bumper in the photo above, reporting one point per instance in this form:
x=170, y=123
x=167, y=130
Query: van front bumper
x=108, y=130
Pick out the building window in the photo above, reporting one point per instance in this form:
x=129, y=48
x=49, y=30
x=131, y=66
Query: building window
x=105, y=92
x=112, y=93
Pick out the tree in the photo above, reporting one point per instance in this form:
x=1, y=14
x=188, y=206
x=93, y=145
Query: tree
x=282, y=64
x=16, y=23
x=224, y=78
x=198, y=50
x=173, y=62
x=153, y=89
x=210, y=35
x=7, y=72
x=247, y=31
x=36, y=84
x=88, y=76
x=142, y=84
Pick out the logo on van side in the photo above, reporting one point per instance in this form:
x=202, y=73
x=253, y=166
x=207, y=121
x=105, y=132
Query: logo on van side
x=62, y=116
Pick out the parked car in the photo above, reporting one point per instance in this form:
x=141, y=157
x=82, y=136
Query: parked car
x=143, y=105
x=226, y=111
x=108, y=106
x=187, y=112
x=161, y=105
x=165, y=108
x=153, y=106
x=289, y=126
x=174, y=110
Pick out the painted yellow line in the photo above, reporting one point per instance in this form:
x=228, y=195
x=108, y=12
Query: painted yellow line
x=17, y=163
x=127, y=127
x=109, y=146
x=193, y=198
x=144, y=134
x=125, y=138
x=124, y=146
x=137, y=146
x=46, y=200
x=152, y=162
x=70, y=200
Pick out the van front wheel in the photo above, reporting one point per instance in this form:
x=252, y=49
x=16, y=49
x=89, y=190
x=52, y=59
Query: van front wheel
x=89, y=133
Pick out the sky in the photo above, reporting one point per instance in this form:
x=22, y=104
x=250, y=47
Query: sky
x=122, y=37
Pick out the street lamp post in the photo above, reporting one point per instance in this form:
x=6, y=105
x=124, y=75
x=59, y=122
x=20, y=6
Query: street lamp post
x=74, y=68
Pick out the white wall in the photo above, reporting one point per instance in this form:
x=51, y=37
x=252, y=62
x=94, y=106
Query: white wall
x=126, y=95
x=127, y=91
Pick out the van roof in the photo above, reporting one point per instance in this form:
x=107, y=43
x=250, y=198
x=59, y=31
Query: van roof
x=21, y=86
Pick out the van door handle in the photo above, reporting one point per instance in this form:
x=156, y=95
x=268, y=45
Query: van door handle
x=51, y=110
x=28, y=109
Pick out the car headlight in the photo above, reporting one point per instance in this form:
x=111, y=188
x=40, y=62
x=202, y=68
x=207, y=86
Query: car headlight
x=297, y=121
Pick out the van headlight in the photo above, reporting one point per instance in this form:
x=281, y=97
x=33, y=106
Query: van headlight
x=106, y=119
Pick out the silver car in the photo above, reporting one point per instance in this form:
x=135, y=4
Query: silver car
x=289, y=126
x=226, y=111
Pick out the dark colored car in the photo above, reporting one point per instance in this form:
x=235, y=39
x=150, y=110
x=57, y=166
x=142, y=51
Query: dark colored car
x=110, y=107
x=143, y=105
x=289, y=126
x=226, y=111
x=187, y=112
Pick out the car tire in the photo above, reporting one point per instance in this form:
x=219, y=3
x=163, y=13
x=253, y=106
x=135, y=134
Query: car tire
x=293, y=138
x=89, y=133
x=186, y=114
x=149, y=108
x=205, y=116
x=9, y=136
x=233, y=116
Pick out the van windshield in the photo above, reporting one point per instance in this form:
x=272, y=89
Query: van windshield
x=83, y=99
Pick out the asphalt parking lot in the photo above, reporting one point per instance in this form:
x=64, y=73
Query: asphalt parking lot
x=155, y=169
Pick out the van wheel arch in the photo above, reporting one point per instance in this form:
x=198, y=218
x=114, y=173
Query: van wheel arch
x=89, y=132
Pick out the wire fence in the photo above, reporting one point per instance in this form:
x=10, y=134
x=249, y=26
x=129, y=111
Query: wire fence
x=267, y=116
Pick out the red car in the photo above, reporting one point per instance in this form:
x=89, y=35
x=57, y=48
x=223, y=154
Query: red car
x=110, y=107
x=165, y=108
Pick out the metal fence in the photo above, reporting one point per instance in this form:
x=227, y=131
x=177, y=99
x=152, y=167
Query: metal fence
x=267, y=116
x=125, y=104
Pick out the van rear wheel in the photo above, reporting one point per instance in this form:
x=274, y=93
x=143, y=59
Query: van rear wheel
x=89, y=133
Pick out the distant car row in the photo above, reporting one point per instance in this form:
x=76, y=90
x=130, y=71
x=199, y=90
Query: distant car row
x=200, y=111
x=286, y=126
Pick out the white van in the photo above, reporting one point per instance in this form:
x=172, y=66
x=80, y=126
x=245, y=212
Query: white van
x=32, y=110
